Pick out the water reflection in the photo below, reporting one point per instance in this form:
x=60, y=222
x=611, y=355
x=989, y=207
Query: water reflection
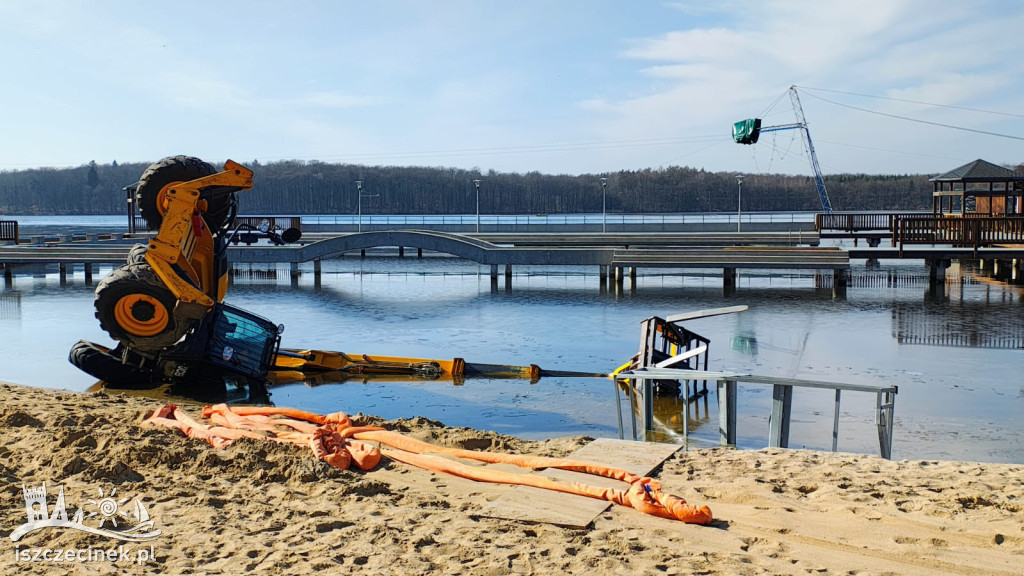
x=964, y=324
x=10, y=305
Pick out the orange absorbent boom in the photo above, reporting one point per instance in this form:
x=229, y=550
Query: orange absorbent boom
x=335, y=440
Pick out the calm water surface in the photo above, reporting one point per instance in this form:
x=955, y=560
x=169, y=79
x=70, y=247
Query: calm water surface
x=955, y=355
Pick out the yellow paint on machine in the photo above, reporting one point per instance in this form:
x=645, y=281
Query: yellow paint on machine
x=327, y=361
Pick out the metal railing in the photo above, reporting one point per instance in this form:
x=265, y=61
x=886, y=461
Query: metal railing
x=562, y=219
x=276, y=222
x=9, y=230
x=971, y=232
x=782, y=403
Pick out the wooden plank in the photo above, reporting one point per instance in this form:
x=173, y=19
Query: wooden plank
x=527, y=504
x=705, y=313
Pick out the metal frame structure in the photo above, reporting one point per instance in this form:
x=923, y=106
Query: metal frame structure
x=801, y=124
x=782, y=400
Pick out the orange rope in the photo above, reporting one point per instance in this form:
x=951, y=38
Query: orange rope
x=333, y=439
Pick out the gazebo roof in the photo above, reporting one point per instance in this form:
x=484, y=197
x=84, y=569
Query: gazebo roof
x=979, y=171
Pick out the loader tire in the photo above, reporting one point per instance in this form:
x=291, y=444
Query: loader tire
x=137, y=255
x=136, y=309
x=101, y=364
x=160, y=177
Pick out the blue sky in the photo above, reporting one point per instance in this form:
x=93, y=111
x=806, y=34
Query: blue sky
x=567, y=86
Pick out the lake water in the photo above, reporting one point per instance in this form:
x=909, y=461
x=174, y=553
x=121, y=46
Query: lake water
x=955, y=354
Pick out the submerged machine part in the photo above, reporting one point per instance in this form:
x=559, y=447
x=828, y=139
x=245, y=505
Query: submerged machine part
x=665, y=343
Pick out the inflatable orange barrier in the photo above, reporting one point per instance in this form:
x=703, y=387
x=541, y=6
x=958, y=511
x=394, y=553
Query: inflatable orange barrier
x=332, y=438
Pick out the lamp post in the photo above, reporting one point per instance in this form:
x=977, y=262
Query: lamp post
x=604, y=205
x=359, y=204
x=739, y=200
x=477, y=183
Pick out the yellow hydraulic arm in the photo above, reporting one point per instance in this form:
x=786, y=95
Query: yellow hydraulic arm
x=182, y=252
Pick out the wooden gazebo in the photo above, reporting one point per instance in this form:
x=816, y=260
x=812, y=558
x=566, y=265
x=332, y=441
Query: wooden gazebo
x=982, y=188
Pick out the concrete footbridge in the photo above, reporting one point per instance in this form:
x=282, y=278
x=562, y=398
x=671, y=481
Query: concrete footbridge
x=460, y=245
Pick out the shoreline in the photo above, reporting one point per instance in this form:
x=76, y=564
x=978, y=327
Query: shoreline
x=260, y=506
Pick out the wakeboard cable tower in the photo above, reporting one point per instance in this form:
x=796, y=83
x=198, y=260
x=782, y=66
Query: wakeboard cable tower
x=747, y=132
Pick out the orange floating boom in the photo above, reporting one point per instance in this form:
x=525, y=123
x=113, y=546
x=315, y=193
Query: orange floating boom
x=334, y=440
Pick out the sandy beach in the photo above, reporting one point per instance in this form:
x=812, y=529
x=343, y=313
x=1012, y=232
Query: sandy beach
x=275, y=509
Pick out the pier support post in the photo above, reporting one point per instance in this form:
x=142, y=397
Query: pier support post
x=8, y=275
x=494, y=272
x=619, y=278
x=632, y=278
x=778, y=423
x=727, y=412
x=729, y=280
x=62, y=273
x=419, y=253
x=937, y=271
x=88, y=273
x=294, y=273
x=840, y=279
x=401, y=251
x=317, y=268
x=602, y=273
x=362, y=253
x=508, y=276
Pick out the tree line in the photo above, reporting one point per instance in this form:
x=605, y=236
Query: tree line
x=312, y=187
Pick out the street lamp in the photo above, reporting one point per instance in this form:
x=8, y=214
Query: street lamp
x=359, y=202
x=739, y=200
x=604, y=205
x=477, y=182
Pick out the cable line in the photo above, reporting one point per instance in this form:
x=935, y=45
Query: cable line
x=916, y=102
x=976, y=131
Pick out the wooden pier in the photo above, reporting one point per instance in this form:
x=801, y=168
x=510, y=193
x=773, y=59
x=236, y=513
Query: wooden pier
x=617, y=255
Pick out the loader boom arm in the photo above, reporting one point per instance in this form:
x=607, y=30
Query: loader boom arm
x=182, y=251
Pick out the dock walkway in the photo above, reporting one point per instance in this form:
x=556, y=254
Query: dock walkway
x=614, y=253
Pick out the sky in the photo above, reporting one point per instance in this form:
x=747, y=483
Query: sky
x=554, y=86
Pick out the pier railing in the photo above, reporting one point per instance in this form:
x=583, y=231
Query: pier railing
x=851, y=222
x=9, y=230
x=967, y=232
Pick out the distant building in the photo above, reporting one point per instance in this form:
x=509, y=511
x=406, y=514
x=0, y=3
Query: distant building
x=978, y=187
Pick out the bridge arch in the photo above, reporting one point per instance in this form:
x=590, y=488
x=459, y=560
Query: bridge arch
x=461, y=246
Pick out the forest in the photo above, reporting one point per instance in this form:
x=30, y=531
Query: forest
x=310, y=187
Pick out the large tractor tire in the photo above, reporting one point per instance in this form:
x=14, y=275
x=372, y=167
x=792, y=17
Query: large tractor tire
x=159, y=178
x=136, y=309
x=102, y=364
x=137, y=255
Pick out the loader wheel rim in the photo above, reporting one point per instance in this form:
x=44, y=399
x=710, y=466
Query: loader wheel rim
x=162, y=198
x=141, y=315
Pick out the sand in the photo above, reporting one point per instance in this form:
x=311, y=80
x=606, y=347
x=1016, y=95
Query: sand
x=274, y=509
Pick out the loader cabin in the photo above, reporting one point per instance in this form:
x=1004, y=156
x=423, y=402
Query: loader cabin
x=978, y=188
